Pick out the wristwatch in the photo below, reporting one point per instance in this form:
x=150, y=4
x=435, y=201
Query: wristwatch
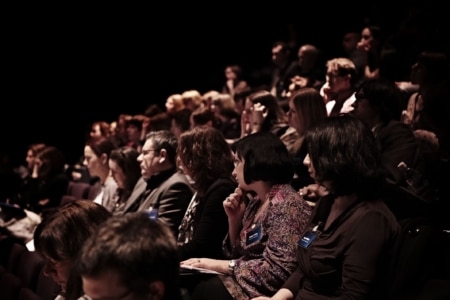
x=231, y=265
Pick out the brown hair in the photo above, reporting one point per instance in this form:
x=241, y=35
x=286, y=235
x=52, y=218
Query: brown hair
x=207, y=156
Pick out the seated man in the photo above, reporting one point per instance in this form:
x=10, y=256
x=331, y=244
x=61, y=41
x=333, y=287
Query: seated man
x=163, y=192
x=130, y=257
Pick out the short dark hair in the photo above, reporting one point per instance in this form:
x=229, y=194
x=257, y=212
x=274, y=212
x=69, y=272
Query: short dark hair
x=384, y=95
x=266, y=158
x=164, y=139
x=345, y=153
x=141, y=250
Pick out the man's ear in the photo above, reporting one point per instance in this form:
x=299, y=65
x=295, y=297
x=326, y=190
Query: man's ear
x=162, y=156
x=157, y=290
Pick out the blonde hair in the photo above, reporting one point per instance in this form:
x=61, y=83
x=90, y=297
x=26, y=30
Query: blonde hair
x=192, y=99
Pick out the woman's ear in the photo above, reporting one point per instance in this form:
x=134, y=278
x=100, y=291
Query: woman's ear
x=104, y=158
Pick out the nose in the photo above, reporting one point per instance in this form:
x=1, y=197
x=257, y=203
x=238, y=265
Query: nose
x=139, y=158
x=307, y=160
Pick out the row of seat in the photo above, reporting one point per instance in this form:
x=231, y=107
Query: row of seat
x=80, y=190
x=22, y=275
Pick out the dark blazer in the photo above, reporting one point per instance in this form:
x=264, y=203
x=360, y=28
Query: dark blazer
x=171, y=197
x=138, y=189
x=210, y=222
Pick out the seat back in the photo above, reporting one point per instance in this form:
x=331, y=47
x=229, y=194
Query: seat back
x=419, y=251
x=28, y=294
x=28, y=268
x=80, y=190
x=10, y=286
x=46, y=287
x=14, y=255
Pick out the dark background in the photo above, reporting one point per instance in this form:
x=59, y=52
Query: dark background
x=65, y=67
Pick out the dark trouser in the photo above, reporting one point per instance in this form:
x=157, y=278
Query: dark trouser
x=205, y=287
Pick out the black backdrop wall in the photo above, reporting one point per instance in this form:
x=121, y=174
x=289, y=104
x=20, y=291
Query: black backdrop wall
x=65, y=67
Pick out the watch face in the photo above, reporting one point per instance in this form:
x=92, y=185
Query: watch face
x=231, y=264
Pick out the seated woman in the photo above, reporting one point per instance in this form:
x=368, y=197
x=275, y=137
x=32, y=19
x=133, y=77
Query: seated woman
x=48, y=182
x=345, y=252
x=262, y=232
x=96, y=157
x=263, y=113
x=206, y=158
x=125, y=171
x=59, y=237
x=306, y=109
x=24, y=174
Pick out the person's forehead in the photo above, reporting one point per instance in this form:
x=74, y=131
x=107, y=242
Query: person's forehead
x=148, y=145
x=106, y=284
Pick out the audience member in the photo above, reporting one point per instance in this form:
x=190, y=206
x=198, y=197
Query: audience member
x=130, y=257
x=346, y=251
x=125, y=171
x=205, y=156
x=262, y=231
x=59, y=238
x=163, y=191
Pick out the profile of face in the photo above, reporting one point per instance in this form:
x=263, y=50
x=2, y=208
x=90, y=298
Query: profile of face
x=149, y=160
x=58, y=270
x=42, y=167
x=293, y=119
x=362, y=108
x=117, y=173
x=279, y=55
x=336, y=82
x=308, y=163
x=92, y=162
x=95, y=132
x=238, y=172
x=229, y=74
x=30, y=159
x=170, y=106
x=367, y=40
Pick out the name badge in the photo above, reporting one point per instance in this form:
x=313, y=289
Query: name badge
x=253, y=235
x=152, y=213
x=307, y=239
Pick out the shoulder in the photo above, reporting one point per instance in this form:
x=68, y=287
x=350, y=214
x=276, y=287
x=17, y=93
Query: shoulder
x=285, y=196
x=374, y=212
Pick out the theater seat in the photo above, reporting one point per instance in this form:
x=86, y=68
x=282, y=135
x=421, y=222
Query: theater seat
x=14, y=254
x=28, y=268
x=10, y=286
x=28, y=294
x=46, y=287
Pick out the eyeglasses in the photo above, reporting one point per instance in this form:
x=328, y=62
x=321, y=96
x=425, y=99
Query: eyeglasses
x=126, y=294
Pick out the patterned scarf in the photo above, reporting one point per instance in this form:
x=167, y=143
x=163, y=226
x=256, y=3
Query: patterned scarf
x=186, y=228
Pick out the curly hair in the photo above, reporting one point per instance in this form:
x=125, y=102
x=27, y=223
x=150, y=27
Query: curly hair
x=206, y=155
